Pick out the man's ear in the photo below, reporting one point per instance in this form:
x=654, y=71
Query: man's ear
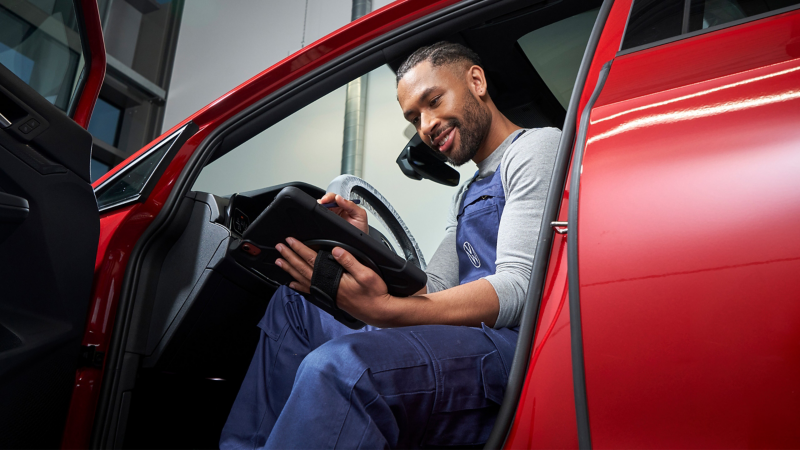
x=477, y=81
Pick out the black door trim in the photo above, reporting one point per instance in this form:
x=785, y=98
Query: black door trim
x=576, y=332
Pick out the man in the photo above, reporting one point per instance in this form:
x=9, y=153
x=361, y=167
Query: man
x=314, y=383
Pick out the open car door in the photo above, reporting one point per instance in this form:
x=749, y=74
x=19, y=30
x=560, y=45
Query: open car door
x=52, y=63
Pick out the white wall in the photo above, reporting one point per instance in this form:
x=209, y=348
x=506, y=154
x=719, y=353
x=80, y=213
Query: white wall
x=306, y=146
x=223, y=44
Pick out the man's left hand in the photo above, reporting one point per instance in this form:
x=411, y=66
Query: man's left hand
x=362, y=293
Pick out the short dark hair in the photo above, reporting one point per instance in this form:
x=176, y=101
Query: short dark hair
x=439, y=54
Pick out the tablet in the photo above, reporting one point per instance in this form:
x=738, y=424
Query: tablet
x=296, y=214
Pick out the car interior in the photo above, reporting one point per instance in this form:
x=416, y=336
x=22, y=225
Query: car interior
x=192, y=329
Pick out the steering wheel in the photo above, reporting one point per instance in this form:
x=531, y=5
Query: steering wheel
x=352, y=187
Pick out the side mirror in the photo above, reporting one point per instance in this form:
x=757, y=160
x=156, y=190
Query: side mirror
x=418, y=161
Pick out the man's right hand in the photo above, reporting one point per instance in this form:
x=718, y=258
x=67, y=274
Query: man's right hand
x=347, y=210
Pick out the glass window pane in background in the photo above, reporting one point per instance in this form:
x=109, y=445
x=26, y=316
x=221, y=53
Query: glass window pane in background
x=105, y=122
x=137, y=33
x=98, y=169
x=40, y=44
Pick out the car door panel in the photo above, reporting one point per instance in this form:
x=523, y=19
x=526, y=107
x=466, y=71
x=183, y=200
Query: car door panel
x=688, y=248
x=13, y=210
x=46, y=260
x=49, y=227
x=40, y=134
x=546, y=413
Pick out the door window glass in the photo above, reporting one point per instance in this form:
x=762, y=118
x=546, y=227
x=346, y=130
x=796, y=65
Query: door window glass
x=128, y=186
x=710, y=13
x=556, y=51
x=40, y=44
x=653, y=20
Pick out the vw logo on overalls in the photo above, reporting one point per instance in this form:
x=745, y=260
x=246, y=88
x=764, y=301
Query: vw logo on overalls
x=473, y=255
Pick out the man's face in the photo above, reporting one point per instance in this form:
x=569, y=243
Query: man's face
x=439, y=103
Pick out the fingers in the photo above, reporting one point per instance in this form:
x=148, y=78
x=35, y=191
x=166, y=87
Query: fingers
x=327, y=198
x=348, y=206
x=360, y=272
x=301, y=283
x=357, y=215
x=308, y=255
x=298, y=261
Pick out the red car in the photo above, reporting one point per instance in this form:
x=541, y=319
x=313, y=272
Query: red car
x=663, y=309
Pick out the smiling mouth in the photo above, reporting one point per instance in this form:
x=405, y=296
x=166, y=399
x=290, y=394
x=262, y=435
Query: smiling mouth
x=445, y=140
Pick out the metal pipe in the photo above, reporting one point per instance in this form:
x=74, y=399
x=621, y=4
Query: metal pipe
x=355, y=111
x=360, y=8
x=354, y=127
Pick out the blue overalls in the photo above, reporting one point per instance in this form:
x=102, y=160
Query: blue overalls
x=314, y=383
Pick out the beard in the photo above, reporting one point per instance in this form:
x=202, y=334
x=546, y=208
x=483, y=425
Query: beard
x=473, y=130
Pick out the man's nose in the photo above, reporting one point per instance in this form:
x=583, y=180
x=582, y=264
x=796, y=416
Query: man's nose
x=428, y=125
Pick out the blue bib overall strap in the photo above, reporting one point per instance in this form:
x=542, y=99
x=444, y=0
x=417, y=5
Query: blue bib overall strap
x=478, y=223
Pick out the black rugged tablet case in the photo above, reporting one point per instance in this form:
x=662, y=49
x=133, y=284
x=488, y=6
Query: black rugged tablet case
x=296, y=214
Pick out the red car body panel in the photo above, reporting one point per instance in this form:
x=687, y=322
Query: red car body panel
x=126, y=226
x=97, y=64
x=546, y=414
x=688, y=287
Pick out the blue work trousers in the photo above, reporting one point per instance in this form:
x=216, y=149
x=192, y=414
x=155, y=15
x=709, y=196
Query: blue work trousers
x=314, y=383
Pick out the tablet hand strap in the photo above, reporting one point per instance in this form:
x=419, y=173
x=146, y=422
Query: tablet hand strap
x=325, y=280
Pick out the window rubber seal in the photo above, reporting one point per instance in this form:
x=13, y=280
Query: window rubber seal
x=541, y=260
x=576, y=330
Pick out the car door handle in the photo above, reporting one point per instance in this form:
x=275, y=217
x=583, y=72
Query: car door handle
x=13, y=209
x=559, y=227
x=4, y=122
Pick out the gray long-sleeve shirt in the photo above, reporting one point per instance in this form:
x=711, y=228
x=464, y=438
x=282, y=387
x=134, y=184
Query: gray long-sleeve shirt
x=527, y=166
